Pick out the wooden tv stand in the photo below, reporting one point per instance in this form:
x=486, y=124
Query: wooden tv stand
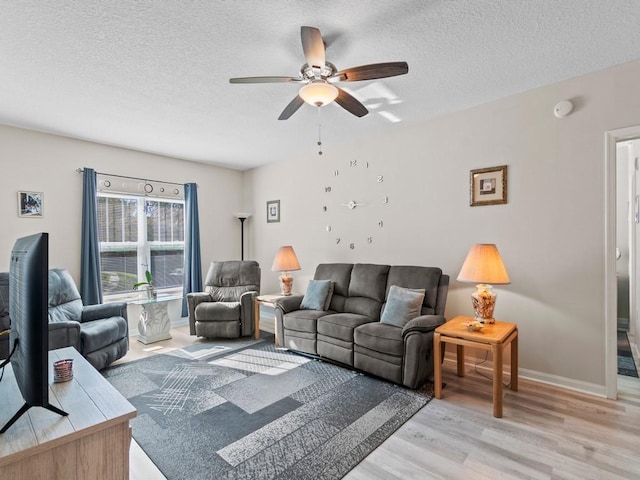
x=92, y=442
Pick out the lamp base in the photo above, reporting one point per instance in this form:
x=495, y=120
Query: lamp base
x=484, y=301
x=286, y=284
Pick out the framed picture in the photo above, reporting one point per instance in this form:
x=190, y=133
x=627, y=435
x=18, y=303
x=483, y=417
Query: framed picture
x=30, y=204
x=488, y=186
x=273, y=211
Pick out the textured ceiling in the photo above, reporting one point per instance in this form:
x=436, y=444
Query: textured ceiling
x=153, y=75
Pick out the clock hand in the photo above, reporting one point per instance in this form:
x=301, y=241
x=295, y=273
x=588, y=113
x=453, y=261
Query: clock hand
x=352, y=204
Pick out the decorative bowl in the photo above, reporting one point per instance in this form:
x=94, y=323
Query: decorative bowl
x=473, y=326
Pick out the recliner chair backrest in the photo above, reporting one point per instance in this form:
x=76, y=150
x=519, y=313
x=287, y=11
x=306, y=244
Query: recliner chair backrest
x=65, y=302
x=227, y=281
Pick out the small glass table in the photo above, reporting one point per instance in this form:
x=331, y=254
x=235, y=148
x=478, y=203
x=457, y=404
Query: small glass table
x=154, y=323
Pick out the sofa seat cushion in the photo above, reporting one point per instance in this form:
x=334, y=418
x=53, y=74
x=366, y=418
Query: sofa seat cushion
x=380, y=337
x=217, y=311
x=100, y=333
x=341, y=325
x=303, y=320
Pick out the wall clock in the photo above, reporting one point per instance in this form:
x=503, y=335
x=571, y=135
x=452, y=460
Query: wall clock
x=354, y=204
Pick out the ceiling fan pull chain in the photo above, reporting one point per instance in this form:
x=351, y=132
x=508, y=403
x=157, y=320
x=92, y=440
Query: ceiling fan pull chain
x=319, y=133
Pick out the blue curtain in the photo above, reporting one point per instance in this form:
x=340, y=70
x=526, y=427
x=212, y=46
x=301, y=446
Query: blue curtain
x=90, y=282
x=192, y=258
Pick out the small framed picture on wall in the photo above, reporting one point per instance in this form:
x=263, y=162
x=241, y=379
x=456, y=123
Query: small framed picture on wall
x=30, y=204
x=488, y=186
x=273, y=211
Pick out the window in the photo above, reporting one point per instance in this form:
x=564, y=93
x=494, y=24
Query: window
x=137, y=234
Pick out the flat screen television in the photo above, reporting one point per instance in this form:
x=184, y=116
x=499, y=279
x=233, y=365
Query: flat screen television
x=28, y=313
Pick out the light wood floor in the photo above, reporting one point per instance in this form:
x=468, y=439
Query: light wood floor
x=546, y=432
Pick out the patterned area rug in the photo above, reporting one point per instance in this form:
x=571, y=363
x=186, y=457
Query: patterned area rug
x=247, y=410
x=626, y=365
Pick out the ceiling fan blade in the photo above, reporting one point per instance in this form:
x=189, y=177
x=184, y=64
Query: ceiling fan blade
x=313, y=47
x=351, y=104
x=292, y=108
x=263, y=79
x=373, y=71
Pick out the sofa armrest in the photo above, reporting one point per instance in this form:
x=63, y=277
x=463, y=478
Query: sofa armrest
x=103, y=310
x=289, y=304
x=423, y=323
x=247, y=313
x=64, y=334
x=193, y=300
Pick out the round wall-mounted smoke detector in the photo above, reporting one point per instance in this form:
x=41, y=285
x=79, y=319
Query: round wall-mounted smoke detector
x=563, y=108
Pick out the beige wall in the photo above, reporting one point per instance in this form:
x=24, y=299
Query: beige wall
x=46, y=163
x=551, y=233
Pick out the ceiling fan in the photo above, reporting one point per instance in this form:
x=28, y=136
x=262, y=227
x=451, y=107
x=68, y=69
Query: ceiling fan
x=318, y=78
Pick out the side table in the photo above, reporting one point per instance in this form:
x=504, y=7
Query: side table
x=154, y=323
x=493, y=337
x=268, y=301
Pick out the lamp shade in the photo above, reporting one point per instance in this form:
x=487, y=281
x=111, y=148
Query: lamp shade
x=286, y=260
x=484, y=265
x=318, y=93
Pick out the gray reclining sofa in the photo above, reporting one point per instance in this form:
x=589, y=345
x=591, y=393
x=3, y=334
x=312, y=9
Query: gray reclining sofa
x=348, y=330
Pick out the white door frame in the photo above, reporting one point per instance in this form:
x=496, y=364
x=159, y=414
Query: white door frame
x=612, y=137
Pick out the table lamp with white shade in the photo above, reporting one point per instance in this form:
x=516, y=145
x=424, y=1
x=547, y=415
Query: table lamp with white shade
x=484, y=266
x=285, y=262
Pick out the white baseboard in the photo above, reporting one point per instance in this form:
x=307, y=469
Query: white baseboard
x=535, y=376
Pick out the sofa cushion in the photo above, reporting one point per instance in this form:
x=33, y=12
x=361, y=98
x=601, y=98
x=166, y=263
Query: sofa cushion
x=213, y=311
x=369, y=281
x=66, y=311
x=4, y=294
x=100, y=333
x=227, y=281
x=338, y=273
x=341, y=325
x=303, y=320
x=417, y=277
x=403, y=305
x=380, y=337
x=317, y=295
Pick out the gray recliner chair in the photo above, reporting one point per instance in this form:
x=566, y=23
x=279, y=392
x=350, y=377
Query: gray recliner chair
x=226, y=308
x=99, y=332
x=4, y=315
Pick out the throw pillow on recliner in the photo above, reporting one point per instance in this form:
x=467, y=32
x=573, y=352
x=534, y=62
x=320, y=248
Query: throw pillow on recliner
x=318, y=295
x=403, y=305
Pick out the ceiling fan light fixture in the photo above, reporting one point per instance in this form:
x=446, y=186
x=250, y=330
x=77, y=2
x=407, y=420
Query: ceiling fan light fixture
x=318, y=93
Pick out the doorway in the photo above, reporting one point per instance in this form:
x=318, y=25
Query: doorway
x=627, y=268
x=612, y=139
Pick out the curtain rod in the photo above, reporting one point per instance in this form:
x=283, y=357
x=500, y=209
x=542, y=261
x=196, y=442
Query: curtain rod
x=81, y=170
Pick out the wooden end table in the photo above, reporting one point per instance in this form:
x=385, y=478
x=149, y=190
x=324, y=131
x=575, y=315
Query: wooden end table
x=492, y=337
x=269, y=301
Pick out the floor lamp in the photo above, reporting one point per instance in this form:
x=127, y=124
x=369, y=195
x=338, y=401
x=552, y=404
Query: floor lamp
x=242, y=217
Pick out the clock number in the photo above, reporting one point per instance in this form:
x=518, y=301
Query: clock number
x=328, y=228
x=353, y=163
x=324, y=209
x=380, y=178
x=327, y=189
x=369, y=239
x=352, y=246
x=385, y=200
x=337, y=241
x=380, y=224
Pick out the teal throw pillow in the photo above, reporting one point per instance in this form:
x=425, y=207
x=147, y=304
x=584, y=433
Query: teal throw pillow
x=317, y=295
x=403, y=305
